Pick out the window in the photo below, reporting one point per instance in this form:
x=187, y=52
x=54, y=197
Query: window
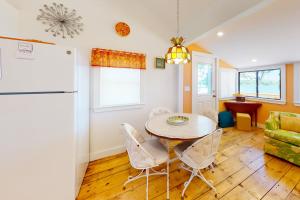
x=247, y=83
x=204, y=79
x=227, y=82
x=116, y=87
x=269, y=84
x=264, y=83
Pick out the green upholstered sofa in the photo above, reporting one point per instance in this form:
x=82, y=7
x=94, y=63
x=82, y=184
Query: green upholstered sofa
x=279, y=142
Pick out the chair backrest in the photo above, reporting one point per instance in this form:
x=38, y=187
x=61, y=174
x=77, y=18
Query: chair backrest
x=139, y=157
x=210, y=113
x=204, y=150
x=159, y=111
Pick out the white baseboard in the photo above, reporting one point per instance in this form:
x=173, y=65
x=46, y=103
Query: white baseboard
x=107, y=152
x=259, y=125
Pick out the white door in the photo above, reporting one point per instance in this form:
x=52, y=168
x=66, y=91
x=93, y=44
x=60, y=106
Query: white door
x=204, y=73
x=37, y=147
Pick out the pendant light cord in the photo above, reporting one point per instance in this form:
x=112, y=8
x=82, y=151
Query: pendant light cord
x=178, y=18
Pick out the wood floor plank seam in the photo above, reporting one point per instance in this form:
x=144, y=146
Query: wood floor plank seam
x=105, y=159
x=151, y=179
x=106, y=175
x=292, y=190
x=257, y=185
x=295, y=190
x=246, y=149
x=291, y=178
x=238, y=152
x=226, y=180
x=276, y=182
x=241, y=146
x=218, y=197
x=208, y=188
x=241, y=162
x=171, y=173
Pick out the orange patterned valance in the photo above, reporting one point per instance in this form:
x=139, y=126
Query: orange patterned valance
x=117, y=59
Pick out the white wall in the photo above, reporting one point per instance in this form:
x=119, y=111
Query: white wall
x=8, y=20
x=160, y=86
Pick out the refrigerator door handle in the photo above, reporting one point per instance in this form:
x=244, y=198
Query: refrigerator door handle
x=1, y=64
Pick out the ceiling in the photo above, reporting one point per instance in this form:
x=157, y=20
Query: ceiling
x=196, y=16
x=271, y=35
x=265, y=30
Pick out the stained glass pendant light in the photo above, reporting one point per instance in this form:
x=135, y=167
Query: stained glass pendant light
x=178, y=54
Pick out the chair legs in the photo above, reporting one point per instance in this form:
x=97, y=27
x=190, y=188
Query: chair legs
x=167, y=145
x=168, y=180
x=133, y=178
x=147, y=174
x=200, y=175
x=141, y=175
x=187, y=183
x=212, y=167
x=197, y=173
x=147, y=183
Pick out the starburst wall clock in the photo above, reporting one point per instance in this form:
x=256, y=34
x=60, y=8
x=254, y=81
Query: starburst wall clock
x=60, y=21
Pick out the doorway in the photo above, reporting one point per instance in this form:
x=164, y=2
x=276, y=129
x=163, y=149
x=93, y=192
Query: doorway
x=204, y=82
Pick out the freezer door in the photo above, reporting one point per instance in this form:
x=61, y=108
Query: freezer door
x=37, y=147
x=33, y=67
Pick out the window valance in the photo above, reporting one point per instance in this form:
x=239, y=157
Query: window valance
x=117, y=59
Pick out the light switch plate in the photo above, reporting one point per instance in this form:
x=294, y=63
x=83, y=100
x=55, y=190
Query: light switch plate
x=187, y=88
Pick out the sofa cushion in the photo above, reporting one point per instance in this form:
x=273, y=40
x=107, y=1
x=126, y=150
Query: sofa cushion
x=284, y=136
x=282, y=150
x=289, y=114
x=290, y=123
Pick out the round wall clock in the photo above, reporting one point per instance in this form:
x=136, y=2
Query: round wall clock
x=122, y=29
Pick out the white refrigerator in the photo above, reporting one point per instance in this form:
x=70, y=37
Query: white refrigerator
x=44, y=121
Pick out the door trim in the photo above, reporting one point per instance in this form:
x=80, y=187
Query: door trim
x=216, y=71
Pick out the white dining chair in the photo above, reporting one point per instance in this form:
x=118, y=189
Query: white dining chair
x=198, y=155
x=144, y=155
x=210, y=113
x=156, y=112
x=159, y=111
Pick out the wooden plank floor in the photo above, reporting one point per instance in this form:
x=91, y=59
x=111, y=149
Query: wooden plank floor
x=243, y=171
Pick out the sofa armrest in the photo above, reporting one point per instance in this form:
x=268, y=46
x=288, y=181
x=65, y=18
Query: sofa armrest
x=272, y=123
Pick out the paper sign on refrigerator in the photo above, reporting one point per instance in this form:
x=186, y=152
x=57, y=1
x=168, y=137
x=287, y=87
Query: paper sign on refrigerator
x=25, y=51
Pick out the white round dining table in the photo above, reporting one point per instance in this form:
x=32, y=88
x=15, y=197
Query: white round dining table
x=196, y=127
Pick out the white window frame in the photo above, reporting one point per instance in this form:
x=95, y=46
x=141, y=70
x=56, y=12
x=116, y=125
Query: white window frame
x=236, y=82
x=282, y=67
x=296, y=84
x=96, y=107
